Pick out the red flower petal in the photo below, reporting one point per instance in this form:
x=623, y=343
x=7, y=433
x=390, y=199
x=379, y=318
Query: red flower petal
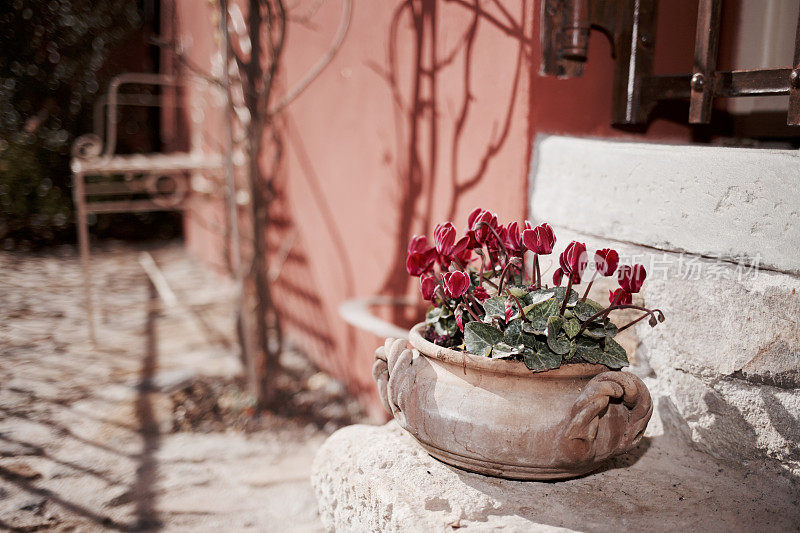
x=624, y=298
x=606, y=261
x=631, y=278
x=574, y=260
x=557, y=276
x=418, y=244
x=455, y=283
x=427, y=287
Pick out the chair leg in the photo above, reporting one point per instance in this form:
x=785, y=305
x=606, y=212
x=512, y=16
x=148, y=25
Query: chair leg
x=83, y=243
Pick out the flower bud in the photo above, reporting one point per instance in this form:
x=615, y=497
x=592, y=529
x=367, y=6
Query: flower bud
x=455, y=283
x=574, y=260
x=444, y=235
x=509, y=311
x=479, y=223
x=512, y=238
x=427, y=286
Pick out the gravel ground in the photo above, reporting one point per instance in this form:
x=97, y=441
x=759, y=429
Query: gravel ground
x=149, y=430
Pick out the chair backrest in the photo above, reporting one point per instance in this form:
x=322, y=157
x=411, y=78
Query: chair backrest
x=201, y=94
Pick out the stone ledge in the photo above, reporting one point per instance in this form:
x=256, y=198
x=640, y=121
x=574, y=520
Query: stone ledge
x=715, y=201
x=726, y=356
x=370, y=478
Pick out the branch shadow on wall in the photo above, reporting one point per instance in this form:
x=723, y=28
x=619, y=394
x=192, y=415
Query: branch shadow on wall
x=418, y=115
x=297, y=295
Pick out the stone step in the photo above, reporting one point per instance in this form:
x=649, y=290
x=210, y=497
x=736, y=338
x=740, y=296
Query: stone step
x=370, y=478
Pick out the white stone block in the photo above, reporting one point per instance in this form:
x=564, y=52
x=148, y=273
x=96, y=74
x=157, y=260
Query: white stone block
x=728, y=354
x=712, y=201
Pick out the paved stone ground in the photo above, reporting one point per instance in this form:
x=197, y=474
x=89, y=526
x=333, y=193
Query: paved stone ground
x=86, y=435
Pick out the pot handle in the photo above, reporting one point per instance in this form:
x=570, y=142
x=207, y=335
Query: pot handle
x=578, y=439
x=391, y=368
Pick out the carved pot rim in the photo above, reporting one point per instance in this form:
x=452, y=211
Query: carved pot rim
x=498, y=366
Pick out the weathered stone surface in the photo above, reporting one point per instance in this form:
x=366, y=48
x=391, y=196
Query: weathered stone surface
x=726, y=362
x=776, y=364
x=379, y=479
x=727, y=354
x=712, y=201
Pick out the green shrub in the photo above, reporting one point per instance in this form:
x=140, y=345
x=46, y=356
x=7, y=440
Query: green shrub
x=56, y=56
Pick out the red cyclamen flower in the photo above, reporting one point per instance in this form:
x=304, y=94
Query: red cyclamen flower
x=574, y=260
x=444, y=235
x=460, y=321
x=540, y=239
x=455, y=283
x=606, y=261
x=480, y=294
x=418, y=263
x=418, y=244
x=512, y=238
x=427, y=285
x=557, y=277
x=473, y=215
x=478, y=224
x=509, y=311
x=465, y=257
x=624, y=298
x=631, y=278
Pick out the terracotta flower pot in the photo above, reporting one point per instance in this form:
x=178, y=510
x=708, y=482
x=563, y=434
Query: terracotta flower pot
x=496, y=417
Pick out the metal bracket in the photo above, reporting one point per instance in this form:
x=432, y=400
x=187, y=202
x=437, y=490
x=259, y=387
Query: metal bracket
x=631, y=25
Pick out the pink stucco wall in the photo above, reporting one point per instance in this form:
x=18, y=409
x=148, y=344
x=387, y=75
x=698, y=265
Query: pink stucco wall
x=429, y=109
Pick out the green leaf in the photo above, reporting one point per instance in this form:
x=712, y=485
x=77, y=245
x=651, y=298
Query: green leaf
x=537, y=297
x=614, y=355
x=502, y=350
x=571, y=328
x=495, y=307
x=601, y=331
x=446, y=327
x=594, y=332
x=479, y=338
x=433, y=315
x=588, y=349
x=513, y=333
x=541, y=359
x=517, y=292
x=572, y=350
x=538, y=314
x=554, y=325
x=585, y=310
x=559, y=344
x=557, y=341
x=559, y=292
x=539, y=329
